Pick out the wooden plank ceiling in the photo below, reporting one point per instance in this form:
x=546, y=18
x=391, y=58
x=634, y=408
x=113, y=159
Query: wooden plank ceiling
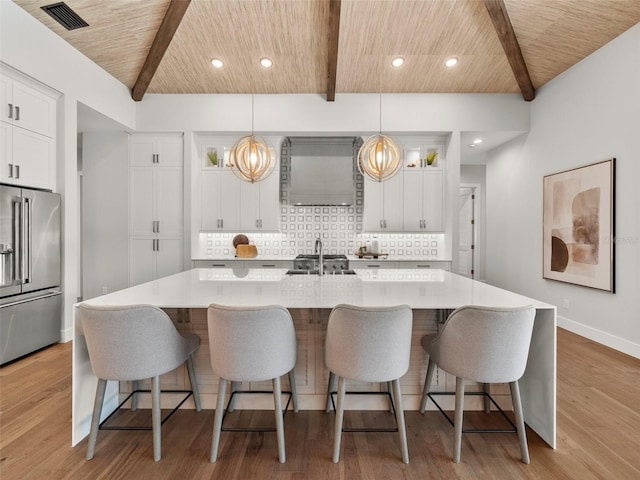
x=553, y=35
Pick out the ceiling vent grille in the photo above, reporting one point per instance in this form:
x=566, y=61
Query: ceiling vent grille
x=62, y=13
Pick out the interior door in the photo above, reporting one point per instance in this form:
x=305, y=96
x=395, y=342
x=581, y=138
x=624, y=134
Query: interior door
x=467, y=225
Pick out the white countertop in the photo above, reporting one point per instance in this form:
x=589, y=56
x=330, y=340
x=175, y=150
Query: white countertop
x=200, y=287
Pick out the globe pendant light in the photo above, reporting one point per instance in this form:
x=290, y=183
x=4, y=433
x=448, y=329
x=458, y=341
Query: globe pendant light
x=251, y=158
x=379, y=158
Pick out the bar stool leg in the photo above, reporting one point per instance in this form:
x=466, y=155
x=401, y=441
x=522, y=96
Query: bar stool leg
x=402, y=429
x=156, y=413
x=331, y=386
x=217, y=421
x=194, y=383
x=486, y=388
x=431, y=368
x=135, y=385
x=232, y=403
x=277, y=407
x=457, y=420
x=294, y=393
x=95, y=419
x=522, y=433
x=392, y=400
x=342, y=387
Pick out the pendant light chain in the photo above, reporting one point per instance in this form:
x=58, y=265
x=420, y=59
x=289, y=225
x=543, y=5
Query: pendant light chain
x=379, y=158
x=251, y=158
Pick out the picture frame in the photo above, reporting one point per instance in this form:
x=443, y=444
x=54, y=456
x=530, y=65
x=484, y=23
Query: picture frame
x=579, y=226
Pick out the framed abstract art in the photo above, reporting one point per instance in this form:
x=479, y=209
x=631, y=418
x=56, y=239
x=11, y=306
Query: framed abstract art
x=578, y=226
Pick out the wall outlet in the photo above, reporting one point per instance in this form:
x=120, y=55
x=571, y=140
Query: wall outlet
x=565, y=303
x=104, y=291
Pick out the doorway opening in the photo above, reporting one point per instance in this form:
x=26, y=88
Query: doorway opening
x=468, y=231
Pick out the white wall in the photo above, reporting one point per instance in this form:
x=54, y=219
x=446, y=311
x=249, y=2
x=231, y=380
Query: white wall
x=33, y=49
x=349, y=114
x=105, y=229
x=588, y=114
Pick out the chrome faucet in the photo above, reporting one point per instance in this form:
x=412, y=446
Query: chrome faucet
x=318, y=251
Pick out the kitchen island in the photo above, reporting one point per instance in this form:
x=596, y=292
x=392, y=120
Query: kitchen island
x=430, y=293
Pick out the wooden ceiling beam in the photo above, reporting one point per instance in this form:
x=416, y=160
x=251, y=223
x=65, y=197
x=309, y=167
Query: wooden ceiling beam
x=168, y=27
x=501, y=22
x=332, y=43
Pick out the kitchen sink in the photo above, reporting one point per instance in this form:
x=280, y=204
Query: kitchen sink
x=302, y=272
x=326, y=257
x=331, y=263
x=340, y=272
x=315, y=272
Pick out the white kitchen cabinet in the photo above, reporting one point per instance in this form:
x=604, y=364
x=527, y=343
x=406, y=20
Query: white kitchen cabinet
x=261, y=263
x=218, y=264
x=156, y=201
x=154, y=257
x=27, y=107
x=156, y=207
x=442, y=265
x=371, y=263
x=27, y=131
x=26, y=158
x=423, y=198
x=383, y=205
x=259, y=205
x=228, y=204
x=149, y=150
x=220, y=201
x=243, y=263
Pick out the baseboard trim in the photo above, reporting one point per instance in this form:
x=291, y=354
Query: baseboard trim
x=66, y=335
x=617, y=343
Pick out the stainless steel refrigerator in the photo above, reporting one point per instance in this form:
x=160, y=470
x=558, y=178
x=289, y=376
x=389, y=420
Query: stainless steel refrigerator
x=30, y=292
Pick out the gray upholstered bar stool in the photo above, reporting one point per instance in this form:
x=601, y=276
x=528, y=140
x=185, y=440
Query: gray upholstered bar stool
x=251, y=344
x=370, y=344
x=485, y=345
x=132, y=343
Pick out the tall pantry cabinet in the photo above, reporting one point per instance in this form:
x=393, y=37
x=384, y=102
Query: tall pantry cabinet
x=156, y=206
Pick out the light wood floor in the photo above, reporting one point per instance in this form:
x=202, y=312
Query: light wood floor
x=598, y=434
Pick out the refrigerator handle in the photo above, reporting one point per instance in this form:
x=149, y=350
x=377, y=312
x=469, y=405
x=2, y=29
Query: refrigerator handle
x=25, y=246
x=17, y=241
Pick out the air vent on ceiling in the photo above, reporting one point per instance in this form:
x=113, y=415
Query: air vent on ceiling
x=62, y=13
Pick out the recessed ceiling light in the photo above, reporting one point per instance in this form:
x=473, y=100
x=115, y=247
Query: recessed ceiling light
x=266, y=62
x=477, y=141
x=397, y=62
x=451, y=62
x=217, y=63
x=471, y=145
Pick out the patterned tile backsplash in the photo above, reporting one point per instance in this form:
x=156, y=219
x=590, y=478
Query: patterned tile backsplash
x=339, y=227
